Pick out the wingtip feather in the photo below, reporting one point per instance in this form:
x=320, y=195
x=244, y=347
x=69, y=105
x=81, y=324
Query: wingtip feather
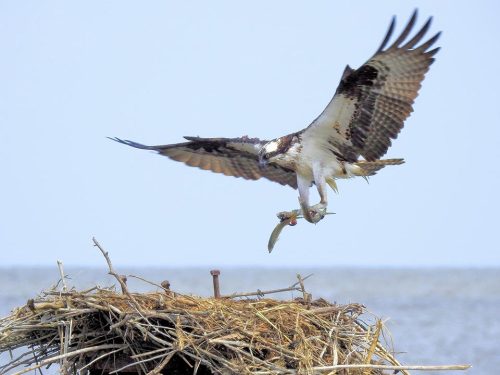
x=131, y=143
x=425, y=46
x=388, y=35
x=419, y=35
x=406, y=30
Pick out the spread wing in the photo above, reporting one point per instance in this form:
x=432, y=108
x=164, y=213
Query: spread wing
x=236, y=157
x=371, y=103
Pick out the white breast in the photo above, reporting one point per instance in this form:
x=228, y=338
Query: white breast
x=317, y=156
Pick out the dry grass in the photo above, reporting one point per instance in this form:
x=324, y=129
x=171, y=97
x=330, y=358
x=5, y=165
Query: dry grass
x=223, y=335
x=110, y=331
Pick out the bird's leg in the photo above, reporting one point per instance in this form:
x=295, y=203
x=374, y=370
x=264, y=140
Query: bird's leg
x=303, y=185
x=314, y=214
x=323, y=202
x=317, y=212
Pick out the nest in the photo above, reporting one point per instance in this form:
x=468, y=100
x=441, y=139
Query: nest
x=107, y=331
x=162, y=331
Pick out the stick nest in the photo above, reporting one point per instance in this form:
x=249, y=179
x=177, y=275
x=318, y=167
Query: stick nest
x=172, y=333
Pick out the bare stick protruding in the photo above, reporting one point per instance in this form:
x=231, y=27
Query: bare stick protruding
x=262, y=293
x=307, y=296
x=63, y=277
x=118, y=277
x=110, y=267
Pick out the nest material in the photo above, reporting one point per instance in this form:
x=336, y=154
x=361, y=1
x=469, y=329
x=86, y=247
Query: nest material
x=164, y=332
x=171, y=333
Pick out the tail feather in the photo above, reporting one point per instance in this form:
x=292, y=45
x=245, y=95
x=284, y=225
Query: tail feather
x=369, y=168
x=331, y=182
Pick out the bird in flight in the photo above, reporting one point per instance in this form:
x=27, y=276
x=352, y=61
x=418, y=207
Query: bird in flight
x=347, y=139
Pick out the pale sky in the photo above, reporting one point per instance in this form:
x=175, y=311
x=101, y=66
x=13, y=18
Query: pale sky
x=73, y=73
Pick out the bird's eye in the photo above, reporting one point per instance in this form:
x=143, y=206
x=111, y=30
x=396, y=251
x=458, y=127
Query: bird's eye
x=267, y=155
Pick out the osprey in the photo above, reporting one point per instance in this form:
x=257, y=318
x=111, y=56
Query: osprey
x=347, y=139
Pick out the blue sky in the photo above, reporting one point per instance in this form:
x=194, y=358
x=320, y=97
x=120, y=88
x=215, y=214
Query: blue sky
x=73, y=73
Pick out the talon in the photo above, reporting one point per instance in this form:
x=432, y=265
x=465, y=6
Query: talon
x=315, y=213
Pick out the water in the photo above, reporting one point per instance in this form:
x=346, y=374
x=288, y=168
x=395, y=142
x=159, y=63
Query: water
x=436, y=316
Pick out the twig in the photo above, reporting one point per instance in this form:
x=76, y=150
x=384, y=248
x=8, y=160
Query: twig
x=261, y=293
x=150, y=282
x=321, y=369
x=61, y=272
x=303, y=279
x=110, y=267
x=373, y=345
x=306, y=296
x=70, y=354
x=80, y=370
x=162, y=364
x=112, y=272
x=380, y=348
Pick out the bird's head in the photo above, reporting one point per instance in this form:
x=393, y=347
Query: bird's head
x=275, y=151
x=269, y=151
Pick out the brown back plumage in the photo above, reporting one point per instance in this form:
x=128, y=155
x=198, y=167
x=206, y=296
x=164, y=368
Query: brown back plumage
x=237, y=157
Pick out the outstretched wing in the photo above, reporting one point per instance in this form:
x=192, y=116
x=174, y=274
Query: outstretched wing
x=236, y=157
x=371, y=103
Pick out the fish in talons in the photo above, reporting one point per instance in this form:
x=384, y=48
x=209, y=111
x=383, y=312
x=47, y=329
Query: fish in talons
x=289, y=218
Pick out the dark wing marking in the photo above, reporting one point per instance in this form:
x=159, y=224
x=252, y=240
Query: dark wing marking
x=236, y=157
x=371, y=103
